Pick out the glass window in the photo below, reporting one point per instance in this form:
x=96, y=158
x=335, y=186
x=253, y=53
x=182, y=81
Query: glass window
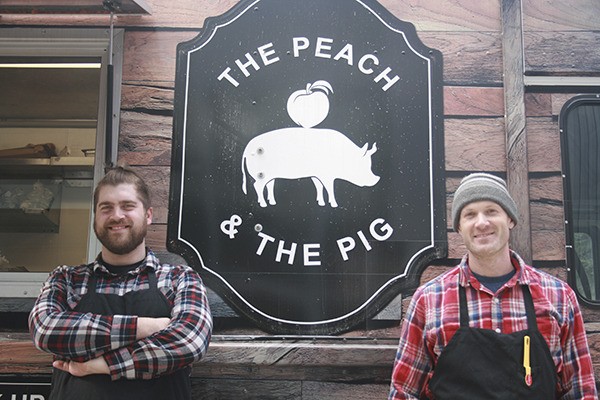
x=52, y=149
x=580, y=140
x=48, y=119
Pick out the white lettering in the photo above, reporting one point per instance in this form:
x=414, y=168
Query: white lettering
x=225, y=74
x=384, y=75
x=379, y=230
x=308, y=253
x=346, y=53
x=363, y=239
x=265, y=52
x=244, y=67
x=345, y=245
x=385, y=228
x=291, y=252
x=299, y=43
x=363, y=60
x=265, y=238
x=322, y=46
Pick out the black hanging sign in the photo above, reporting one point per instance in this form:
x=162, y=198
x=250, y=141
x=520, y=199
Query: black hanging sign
x=306, y=180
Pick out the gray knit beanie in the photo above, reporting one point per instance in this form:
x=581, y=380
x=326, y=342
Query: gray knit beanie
x=479, y=187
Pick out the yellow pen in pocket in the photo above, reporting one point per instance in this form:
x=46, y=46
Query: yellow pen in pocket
x=526, y=361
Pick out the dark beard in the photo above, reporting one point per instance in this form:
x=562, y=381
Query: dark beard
x=122, y=247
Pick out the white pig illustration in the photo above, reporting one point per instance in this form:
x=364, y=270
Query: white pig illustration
x=323, y=155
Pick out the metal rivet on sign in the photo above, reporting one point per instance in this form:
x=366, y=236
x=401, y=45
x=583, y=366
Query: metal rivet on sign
x=258, y=228
x=260, y=150
x=261, y=175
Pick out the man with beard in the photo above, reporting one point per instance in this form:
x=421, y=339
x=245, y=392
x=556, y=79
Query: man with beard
x=125, y=326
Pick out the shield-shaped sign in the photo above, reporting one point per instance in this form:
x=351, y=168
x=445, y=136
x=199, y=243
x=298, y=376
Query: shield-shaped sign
x=306, y=180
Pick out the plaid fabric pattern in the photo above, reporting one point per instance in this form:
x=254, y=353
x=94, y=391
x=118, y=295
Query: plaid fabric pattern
x=432, y=318
x=57, y=329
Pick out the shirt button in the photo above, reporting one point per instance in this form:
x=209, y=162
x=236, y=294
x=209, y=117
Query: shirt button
x=497, y=330
x=496, y=300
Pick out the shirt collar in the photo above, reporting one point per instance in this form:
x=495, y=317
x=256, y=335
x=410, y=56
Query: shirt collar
x=151, y=261
x=521, y=276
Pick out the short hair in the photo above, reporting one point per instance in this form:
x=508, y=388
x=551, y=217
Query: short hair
x=123, y=175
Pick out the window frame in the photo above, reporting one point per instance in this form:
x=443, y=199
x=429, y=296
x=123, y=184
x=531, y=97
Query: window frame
x=571, y=257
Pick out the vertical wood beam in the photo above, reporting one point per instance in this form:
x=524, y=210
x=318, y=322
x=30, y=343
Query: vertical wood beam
x=516, y=133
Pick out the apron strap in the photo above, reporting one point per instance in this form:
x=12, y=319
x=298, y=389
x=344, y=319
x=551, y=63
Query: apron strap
x=464, y=309
x=529, y=308
x=92, y=282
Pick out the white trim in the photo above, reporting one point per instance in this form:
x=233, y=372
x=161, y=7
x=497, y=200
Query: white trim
x=21, y=284
x=561, y=81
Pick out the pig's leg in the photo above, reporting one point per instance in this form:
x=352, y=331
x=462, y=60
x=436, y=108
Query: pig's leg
x=319, y=187
x=271, y=192
x=330, y=192
x=259, y=186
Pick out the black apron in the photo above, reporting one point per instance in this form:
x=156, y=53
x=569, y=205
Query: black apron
x=484, y=365
x=143, y=303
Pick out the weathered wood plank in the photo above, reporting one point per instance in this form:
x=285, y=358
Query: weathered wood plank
x=562, y=53
x=546, y=189
x=456, y=246
x=143, y=97
x=433, y=272
x=560, y=15
x=339, y=391
x=150, y=56
x=517, y=179
x=458, y=15
x=156, y=238
x=538, y=104
x=473, y=101
x=145, y=139
x=475, y=145
x=252, y=389
x=470, y=58
x=317, y=352
x=547, y=212
x=19, y=356
x=547, y=217
x=548, y=245
x=543, y=139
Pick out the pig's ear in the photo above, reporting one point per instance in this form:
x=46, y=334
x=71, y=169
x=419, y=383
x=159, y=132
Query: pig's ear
x=364, y=149
x=373, y=150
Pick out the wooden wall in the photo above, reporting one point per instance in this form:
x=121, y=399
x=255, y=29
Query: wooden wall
x=559, y=38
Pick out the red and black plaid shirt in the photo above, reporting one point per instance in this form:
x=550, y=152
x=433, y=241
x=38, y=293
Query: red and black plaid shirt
x=433, y=317
x=57, y=329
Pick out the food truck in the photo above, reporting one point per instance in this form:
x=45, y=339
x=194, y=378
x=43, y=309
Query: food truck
x=303, y=157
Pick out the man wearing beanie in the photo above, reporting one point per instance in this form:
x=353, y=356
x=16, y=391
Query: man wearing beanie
x=492, y=327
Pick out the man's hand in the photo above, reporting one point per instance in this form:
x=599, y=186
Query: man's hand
x=147, y=326
x=90, y=367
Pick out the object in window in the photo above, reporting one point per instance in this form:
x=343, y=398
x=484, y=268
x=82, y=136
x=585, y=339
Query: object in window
x=45, y=150
x=38, y=200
